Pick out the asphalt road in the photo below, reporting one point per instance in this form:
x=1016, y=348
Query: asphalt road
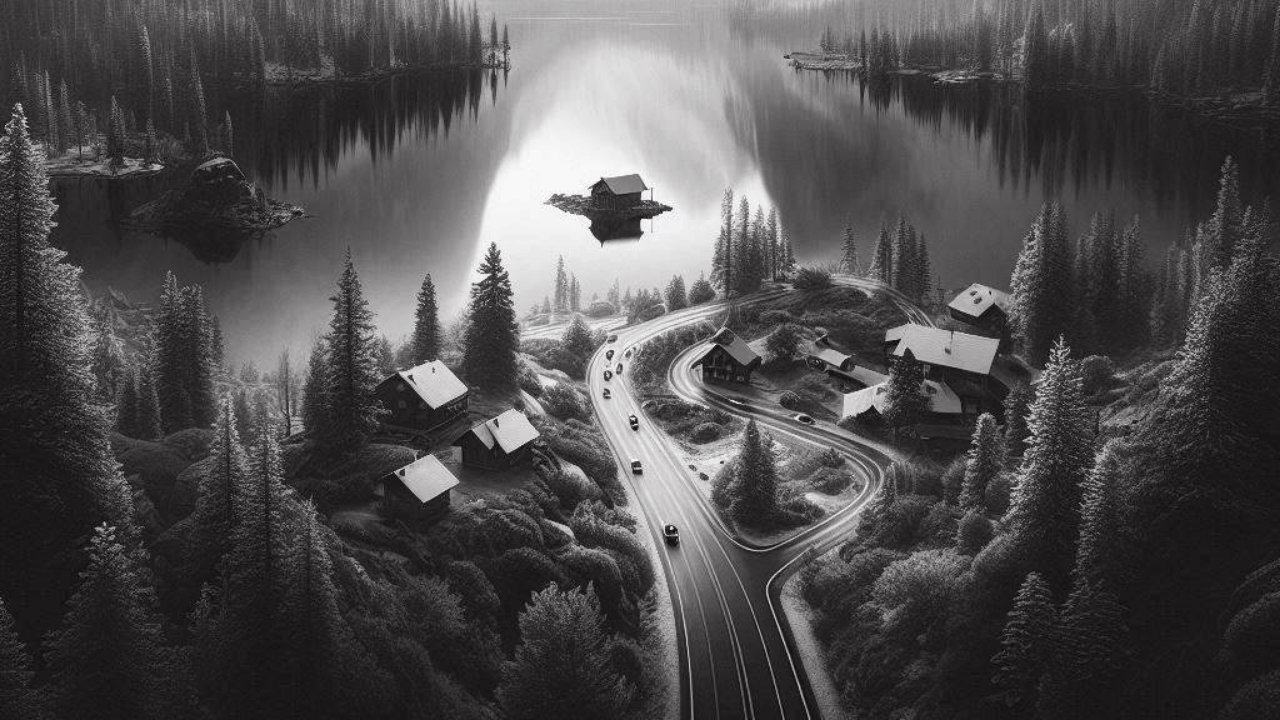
x=736, y=651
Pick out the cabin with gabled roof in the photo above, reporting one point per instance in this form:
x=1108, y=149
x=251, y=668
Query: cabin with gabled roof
x=727, y=357
x=960, y=360
x=617, y=193
x=869, y=404
x=424, y=397
x=982, y=307
x=499, y=443
x=418, y=492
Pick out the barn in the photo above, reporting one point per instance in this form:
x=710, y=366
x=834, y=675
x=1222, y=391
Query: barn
x=727, y=357
x=617, y=193
x=423, y=398
x=418, y=492
x=498, y=443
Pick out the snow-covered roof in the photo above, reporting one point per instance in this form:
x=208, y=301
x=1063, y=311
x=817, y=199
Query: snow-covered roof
x=737, y=348
x=942, y=399
x=511, y=431
x=623, y=184
x=435, y=383
x=427, y=478
x=829, y=356
x=945, y=348
x=979, y=298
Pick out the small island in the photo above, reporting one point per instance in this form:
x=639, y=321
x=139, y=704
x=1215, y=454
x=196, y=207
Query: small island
x=615, y=207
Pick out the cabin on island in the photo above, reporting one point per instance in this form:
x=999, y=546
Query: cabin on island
x=418, y=492
x=982, y=307
x=727, y=357
x=498, y=443
x=959, y=360
x=424, y=397
x=617, y=193
x=869, y=403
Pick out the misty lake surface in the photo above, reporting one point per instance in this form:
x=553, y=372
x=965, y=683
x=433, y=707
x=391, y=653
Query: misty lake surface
x=419, y=174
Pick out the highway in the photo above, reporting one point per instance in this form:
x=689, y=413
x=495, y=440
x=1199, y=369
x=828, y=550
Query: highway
x=736, y=652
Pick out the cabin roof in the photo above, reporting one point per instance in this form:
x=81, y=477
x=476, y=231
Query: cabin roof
x=435, y=383
x=427, y=478
x=978, y=298
x=510, y=431
x=623, y=184
x=828, y=355
x=737, y=348
x=942, y=399
x=944, y=348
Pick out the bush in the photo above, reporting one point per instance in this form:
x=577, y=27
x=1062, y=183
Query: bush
x=831, y=458
x=585, y=451
x=953, y=480
x=973, y=533
x=919, y=589
x=797, y=511
x=705, y=433
x=1099, y=374
x=789, y=400
x=830, y=481
x=939, y=527
x=776, y=317
x=564, y=402
x=784, y=342
x=528, y=381
x=812, y=278
x=600, y=308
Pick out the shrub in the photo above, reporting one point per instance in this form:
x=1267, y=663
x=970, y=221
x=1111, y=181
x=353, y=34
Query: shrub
x=784, y=342
x=528, y=381
x=789, y=400
x=776, y=317
x=1099, y=374
x=600, y=308
x=797, y=511
x=939, y=526
x=564, y=402
x=973, y=533
x=830, y=481
x=582, y=450
x=918, y=590
x=812, y=278
x=953, y=480
x=705, y=433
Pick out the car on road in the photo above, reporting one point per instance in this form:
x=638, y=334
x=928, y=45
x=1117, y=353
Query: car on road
x=619, y=368
x=804, y=419
x=671, y=535
x=608, y=375
x=607, y=394
x=736, y=401
x=612, y=338
x=627, y=354
x=635, y=422
x=608, y=354
x=636, y=467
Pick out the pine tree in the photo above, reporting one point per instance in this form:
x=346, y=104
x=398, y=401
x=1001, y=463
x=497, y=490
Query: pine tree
x=756, y=496
x=65, y=120
x=1027, y=640
x=198, y=115
x=562, y=667
x=108, y=661
x=351, y=377
x=214, y=516
x=227, y=135
x=905, y=400
x=244, y=420
x=677, y=299
x=217, y=349
x=313, y=406
x=18, y=699
x=1042, y=286
x=197, y=342
x=285, y=386
x=1017, y=407
x=882, y=261
x=1226, y=227
x=771, y=242
x=923, y=280
x=561, y=301
x=985, y=462
x=701, y=291
x=115, y=134
x=849, y=253
x=127, y=409
x=577, y=340
x=1091, y=642
x=493, y=336
x=426, y=328
x=575, y=294
x=148, y=426
x=50, y=426
x=1044, y=515
x=171, y=364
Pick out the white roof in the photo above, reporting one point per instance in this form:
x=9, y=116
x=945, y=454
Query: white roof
x=979, y=298
x=945, y=348
x=829, y=356
x=511, y=431
x=942, y=399
x=435, y=383
x=427, y=478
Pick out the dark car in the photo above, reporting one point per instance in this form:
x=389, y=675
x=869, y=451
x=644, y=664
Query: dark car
x=619, y=368
x=627, y=354
x=608, y=375
x=804, y=419
x=635, y=422
x=607, y=394
x=608, y=354
x=636, y=467
x=612, y=338
x=671, y=534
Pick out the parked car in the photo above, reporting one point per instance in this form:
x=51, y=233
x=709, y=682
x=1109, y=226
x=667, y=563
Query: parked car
x=612, y=338
x=608, y=375
x=635, y=422
x=671, y=534
x=636, y=468
x=607, y=394
x=804, y=419
x=608, y=354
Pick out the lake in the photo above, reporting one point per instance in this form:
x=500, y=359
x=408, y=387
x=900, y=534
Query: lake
x=419, y=174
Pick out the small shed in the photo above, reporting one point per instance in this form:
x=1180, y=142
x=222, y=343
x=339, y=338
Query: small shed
x=418, y=492
x=728, y=357
x=983, y=307
x=423, y=397
x=620, y=192
x=498, y=443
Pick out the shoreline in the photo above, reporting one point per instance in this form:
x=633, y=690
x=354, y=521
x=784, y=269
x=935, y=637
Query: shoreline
x=282, y=77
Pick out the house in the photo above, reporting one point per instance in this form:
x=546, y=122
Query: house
x=826, y=358
x=960, y=360
x=418, y=492
x=727, y=357
x=982, y=307
x=617, y=193
x=498, y=443
x=422, y=398
x=869, y=403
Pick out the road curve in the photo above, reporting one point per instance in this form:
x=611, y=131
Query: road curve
x=736, y=651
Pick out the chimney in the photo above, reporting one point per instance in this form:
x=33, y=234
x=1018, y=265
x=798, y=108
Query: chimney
x=495, y=422
x=950, y=342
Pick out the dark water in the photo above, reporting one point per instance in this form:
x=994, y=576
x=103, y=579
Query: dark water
x=419, y=174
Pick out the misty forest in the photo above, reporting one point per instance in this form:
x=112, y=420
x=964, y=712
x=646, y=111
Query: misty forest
x=581, y=360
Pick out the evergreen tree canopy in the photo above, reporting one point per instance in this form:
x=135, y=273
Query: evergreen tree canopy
x=1027, y=640
x=18, y=699
x=985, y=461
x=351, y=369
x=426, y=327
x=493, y=336
x=905, y=401
x=1043, y=294
x=755, y=496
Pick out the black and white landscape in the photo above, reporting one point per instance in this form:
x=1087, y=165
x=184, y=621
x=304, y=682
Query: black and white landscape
x=894, y=359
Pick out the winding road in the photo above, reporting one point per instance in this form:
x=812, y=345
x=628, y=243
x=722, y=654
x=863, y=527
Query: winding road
x=736, y=650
